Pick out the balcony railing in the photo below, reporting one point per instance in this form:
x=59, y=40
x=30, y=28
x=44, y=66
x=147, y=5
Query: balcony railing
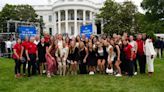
x=87, y=19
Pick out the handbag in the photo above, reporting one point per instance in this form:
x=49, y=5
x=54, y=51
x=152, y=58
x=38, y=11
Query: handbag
x=23, y=60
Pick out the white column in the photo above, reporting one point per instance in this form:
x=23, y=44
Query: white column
x=59, y=22
x=75, y=23
x=102, y=26
x=16, y=25
x=66, y=21
x=55, y=30
x=90, y=16
x=84, y=17
x=93, y=25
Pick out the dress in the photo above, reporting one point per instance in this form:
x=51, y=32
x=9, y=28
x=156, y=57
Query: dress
x=102, y=54
x=82, y=54
x=82, y=65
x=111, y=54
x=116, y=53
x=51, y=64
x=149, y=52
x=73, y=55
x=42, y=52
x=91, y=59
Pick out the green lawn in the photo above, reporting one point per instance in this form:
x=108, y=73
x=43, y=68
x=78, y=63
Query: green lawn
x=80, y=83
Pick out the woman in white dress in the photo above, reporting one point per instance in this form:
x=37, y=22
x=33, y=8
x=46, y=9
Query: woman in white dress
x=150, y=55
x=111, y=56
x=62, y=55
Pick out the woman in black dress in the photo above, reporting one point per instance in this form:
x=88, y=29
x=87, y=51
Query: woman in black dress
x=123, y=64
x=73, y=57
x=117, y=60
x=101, y=56
x=83, y=54
x=41, y=55
x=91, y=59
x=106, y=49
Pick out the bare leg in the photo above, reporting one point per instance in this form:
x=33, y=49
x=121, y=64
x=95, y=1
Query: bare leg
x=118, y=66
x=103, y=65
x=64, y=68
x=75, y=64
x=60, y=66
x=99, y=65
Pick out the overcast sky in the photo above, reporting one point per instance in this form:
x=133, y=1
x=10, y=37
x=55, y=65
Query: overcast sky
x=42, y=2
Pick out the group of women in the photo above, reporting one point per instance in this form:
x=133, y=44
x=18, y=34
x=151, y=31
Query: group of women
x=58, y=55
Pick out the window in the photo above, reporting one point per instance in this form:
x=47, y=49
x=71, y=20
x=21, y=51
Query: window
x=50, y=31
x=87, y=15
x=72, y=30
x=50, y=18
x=72, y=15
x=11, y=27
x=41, y=17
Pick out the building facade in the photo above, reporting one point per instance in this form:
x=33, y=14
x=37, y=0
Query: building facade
x=67, y=16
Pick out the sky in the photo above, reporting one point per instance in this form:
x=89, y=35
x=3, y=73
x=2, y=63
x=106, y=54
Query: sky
x=42, y=2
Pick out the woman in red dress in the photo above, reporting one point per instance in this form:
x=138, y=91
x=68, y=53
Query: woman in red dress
x=51, y=59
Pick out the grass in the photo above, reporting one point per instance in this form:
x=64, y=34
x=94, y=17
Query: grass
x=80, y=83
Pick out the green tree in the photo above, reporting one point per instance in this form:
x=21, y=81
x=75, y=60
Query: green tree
x=154, y=9
x=17, y=12
x=127, y=17
x=118, y=18
x=154, y=16
x=0, y=24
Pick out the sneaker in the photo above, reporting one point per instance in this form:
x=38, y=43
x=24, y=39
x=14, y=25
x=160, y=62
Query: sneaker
x=19, y=75
x=16, y=76
x=72, y=73
x=24, y=74
x=75, y=73
x=91, y=73
x=118, y=75
x=44, y=71
x=52, y=75
x=114, y=73
x=49, y=75
x=97, y=69
x=135, y=73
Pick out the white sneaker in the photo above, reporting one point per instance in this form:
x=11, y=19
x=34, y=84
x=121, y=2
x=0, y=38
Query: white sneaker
x=118, y=75
x=98, y=69
x=135, y=73
x=49, y=75
x=91, y=73
x=44, y=71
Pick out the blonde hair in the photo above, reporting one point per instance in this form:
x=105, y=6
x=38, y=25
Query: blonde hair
x=81, y=44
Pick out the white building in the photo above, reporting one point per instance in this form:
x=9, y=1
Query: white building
x=67, y=16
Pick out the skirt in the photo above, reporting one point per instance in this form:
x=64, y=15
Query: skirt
x=51, y=64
